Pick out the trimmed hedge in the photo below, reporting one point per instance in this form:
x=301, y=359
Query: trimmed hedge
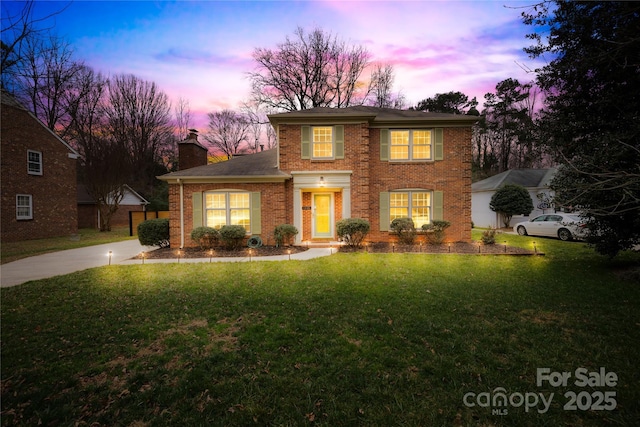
x=206, y=237
x=232, y=236
x=353, y=230
x=154, y=232
x=283, y=233
x=435, y=231
x=404, y=229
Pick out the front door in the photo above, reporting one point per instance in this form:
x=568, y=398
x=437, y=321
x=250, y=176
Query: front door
x=322, y=215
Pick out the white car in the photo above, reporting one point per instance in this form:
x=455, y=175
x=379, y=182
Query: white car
x=561, y=225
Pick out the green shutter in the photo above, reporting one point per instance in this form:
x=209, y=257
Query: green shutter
x=256, y=214
x=196, y=199
x=385, y=218
x=439, y=149
x=438, y=205
x=306, y=142
x=339, y=129
x=384, y=144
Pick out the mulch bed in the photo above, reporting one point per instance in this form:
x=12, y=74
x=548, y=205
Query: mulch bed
x=220, y=252
x=454, y=248
x=376, y=247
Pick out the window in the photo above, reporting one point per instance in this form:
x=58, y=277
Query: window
x=34, y=162
x=227, y=208
x=410, y=145
x=412, y=204
x=322, y=143
x=24, y=206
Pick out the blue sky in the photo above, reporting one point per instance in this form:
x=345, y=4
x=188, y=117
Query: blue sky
x=201, y=50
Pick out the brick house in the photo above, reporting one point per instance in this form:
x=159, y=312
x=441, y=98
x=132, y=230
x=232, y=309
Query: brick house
x=89, y=215
x=38, y=177
x=355, y=162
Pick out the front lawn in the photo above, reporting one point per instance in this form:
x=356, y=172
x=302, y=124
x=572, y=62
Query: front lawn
x=351, y=339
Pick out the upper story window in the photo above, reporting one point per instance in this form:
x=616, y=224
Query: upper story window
x=410, y=145
x=34, y=162
x=410, y=204
x=24, y=206
x=227, y=208
x=322, y=142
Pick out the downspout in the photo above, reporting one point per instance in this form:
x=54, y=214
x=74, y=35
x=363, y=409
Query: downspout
x=181, y=213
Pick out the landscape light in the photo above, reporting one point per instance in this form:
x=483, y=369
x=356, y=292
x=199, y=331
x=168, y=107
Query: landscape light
x=250, y=250
x=393, y=247
x=331, y=249
x=179, y=255
x=110, y=254
x=210, y=255
x=289, y=253
x=449, y=247
x=505, y=246
x=479, y=246
x=143, y=253
x=535, y=250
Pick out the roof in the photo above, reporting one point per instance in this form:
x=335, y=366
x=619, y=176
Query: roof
x=84, y=198
x=375, y=115
x=254, y=166
x=7, y=99
x=528, y=178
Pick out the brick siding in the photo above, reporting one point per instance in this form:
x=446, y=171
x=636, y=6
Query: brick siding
x=53, y=193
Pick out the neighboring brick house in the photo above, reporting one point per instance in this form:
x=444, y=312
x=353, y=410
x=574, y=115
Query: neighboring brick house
x=38, y=177
x=356, y=162
x=89, y=216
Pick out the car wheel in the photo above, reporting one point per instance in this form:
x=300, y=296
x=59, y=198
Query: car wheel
x=564, y=234
x=522, y=231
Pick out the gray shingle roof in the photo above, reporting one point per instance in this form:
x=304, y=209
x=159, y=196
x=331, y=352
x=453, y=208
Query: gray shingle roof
x=262, y=164
x=528, y=178
x=373, y=114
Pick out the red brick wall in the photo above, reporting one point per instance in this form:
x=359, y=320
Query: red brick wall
x=371, y=176
x=53, y=193
x=191, y=155
x=273, y=201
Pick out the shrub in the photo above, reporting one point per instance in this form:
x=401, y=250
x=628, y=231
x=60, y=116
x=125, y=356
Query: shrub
x=232, y=236
x=206, y=237
x=154, y=232
x=353, y=230
x=283, y=234
x=511, y=200
x=489, y=236
x=436, y=231
x=405, y=229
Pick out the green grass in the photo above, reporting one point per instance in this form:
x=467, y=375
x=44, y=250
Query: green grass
x=351, y=339
x=14, y=251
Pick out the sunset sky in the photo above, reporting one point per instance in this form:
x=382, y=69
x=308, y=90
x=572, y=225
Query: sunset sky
x=201, y=50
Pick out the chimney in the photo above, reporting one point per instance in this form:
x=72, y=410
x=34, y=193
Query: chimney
x=190, y=153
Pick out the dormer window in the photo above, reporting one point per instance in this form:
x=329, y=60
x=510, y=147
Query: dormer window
x=34, y=162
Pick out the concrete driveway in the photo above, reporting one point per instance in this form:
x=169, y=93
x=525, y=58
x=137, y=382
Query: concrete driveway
x=65, y=262
x=72, y=260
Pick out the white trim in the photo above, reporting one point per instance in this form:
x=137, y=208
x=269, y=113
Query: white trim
x=309, y=181
x=39, y=163
x=30, y=206
x=331, y=215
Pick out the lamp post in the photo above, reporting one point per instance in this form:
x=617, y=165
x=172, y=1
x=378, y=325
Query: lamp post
x=110, y=254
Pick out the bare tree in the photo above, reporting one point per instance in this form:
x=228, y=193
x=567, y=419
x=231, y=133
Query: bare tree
x=43, y=78
x=307, y=71
x=16, y=30
x=227, y=131
x=255, y=123
x=380, y=90
x=182, y=112
x=139, y=118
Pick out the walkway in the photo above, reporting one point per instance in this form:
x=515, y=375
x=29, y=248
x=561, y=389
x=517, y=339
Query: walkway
x=72, y=260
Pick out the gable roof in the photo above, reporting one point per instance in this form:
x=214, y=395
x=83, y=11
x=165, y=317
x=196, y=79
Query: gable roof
x=8, y=100
x=528, y=178
x=254, y=167
x=375, y=115
x=131, y=197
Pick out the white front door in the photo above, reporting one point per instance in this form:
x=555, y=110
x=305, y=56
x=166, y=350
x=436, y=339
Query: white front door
x=322, y=219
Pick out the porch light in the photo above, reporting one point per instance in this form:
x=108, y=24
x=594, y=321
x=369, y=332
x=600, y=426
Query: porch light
x=322, y=181
x=110, y=254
